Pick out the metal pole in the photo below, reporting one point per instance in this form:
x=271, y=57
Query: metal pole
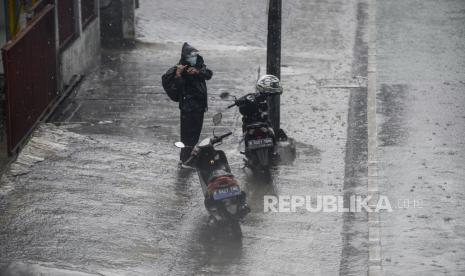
x=273, y=60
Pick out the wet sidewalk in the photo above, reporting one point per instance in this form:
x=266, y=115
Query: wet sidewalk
x=94, y=184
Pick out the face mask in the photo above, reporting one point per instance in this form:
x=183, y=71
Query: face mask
x=192, y=60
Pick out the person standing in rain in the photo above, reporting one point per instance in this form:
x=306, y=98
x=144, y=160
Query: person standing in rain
x=190, y=81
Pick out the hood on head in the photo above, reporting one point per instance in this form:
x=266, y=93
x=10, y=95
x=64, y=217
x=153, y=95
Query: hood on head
x=186, y=51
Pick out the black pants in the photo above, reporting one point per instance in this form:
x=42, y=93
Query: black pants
x=191, y=127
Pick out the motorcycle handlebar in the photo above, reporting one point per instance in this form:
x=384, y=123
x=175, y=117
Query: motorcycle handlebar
x=234, y=104
x=220, y=138
x=225, y=135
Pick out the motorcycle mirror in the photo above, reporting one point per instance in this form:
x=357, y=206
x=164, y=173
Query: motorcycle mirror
x=180, y=145
x=226, y=96
x=217, y=118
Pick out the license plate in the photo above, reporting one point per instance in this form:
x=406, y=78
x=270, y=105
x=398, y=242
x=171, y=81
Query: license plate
x=226, y=193
x=260, y=143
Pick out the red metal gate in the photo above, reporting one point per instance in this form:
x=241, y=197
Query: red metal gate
x=30, y=73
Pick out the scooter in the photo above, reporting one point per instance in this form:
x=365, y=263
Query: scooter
x=259, y=137
x=224, y=199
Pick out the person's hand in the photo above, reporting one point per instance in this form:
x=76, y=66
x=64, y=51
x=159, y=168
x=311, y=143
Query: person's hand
x=179, y=69
x=192, y=71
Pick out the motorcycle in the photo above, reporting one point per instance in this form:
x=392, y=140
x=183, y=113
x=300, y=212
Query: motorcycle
x=224, y=199
x=259, y=137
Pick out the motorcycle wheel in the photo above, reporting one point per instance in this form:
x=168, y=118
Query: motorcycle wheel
x=261, y=164
x=263, y=157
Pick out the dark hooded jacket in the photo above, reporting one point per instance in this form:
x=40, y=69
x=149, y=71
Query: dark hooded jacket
x=193, y=89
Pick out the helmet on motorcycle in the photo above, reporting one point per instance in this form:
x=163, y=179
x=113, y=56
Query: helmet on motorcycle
x=269, y=84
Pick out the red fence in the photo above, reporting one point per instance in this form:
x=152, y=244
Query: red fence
x=66, y=21
x=40, y=5
x=30, y=72
x=88, y=11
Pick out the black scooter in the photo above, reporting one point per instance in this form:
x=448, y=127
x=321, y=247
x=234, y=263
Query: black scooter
x=224, y=199
x=259, y=137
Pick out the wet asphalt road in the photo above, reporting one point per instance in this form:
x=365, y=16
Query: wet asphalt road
x=97, y=190
x=421, y=124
